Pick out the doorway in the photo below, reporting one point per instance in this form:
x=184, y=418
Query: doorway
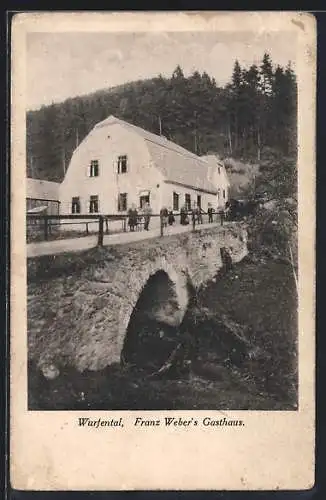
x=143, y=200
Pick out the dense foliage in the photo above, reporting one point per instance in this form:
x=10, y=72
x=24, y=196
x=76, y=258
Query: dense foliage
x=248, y=118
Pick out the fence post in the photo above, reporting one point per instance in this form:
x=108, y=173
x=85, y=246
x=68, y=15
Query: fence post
x=46, y=228
x=100, y=231
x=193, y=221
x=161, y=224
x=124, y=224
x=222, y=216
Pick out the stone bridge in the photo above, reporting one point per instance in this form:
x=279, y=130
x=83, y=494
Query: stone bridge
x=79, y=306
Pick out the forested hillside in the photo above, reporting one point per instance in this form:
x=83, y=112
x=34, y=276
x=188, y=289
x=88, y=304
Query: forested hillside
x=252, y=118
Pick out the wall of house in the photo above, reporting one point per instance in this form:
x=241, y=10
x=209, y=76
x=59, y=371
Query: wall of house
x=169, y=189
x=218, y=177
x=223, y=189
x=105, y=144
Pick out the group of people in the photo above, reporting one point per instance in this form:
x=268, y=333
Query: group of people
x=167, y=217
x=186, y=215
x=134, y=217
x=196, y=213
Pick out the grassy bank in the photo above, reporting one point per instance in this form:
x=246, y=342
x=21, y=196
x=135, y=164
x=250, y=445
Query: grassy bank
x=250, y=294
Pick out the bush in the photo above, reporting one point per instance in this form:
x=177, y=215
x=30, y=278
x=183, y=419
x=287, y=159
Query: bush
x=272, y=232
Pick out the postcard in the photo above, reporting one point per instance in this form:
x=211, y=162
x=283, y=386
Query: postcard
x=162, y=251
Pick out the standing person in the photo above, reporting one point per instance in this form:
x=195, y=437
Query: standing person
x=184, y=215
x=196, y=214
x=222, y=216
x=171, y=218
x=164, y=215
x=106, y=219
x=199, y=215
x=147, y=212
x=210, y=211
x=132, y=217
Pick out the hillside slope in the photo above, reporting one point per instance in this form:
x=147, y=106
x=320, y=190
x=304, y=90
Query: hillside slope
x=193, y=112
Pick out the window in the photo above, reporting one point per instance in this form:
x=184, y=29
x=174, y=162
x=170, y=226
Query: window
x=175, y=201
x=75, y=205
x=199, y=200
x=122, y=202
x=93, y=204
x=122, y=164
x=143, y=200
x=188, y=201
x=93, y=168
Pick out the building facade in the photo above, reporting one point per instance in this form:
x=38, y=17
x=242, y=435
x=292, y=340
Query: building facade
x=118, y=165
x=42, y=197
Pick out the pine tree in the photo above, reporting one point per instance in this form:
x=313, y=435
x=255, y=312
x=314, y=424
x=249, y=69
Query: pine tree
x=235, y=103
x=251, y=108
x=266, y=75
x=178, y=73
x=266, y=91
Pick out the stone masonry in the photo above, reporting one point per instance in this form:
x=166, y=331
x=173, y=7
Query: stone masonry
x=80, y=319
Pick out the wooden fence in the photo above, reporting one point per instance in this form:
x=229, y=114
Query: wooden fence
x=45, y=226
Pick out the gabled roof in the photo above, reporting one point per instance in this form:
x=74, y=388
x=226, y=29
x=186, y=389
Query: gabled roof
x=176, y=163
x=148, y=136
x=42, y=190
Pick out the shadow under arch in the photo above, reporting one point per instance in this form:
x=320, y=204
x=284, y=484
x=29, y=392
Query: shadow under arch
x=153, y=328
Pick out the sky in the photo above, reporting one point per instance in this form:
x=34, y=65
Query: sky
x=62, y=65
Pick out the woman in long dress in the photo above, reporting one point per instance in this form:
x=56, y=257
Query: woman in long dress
x=132, y=217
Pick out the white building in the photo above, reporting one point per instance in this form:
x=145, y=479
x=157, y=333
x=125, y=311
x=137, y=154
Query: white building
x=42, y=197
x=119, y=164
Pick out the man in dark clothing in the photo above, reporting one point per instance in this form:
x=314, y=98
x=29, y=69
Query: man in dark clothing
x=171, y=218
x=184, y=220
x=164, y=216
x=196, y=214
x=210, y=212
x=199, y=215
x=222, y=216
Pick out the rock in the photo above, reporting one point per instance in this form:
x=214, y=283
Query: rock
x=50, y=372
x=211, y=371
x=82, y=396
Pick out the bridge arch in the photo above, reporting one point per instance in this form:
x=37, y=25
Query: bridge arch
x=158, y=290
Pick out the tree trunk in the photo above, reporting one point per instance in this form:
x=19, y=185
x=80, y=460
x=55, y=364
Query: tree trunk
x=229, y=138
x=258, y=145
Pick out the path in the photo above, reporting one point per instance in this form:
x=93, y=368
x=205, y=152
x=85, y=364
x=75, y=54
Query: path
x=86, y=242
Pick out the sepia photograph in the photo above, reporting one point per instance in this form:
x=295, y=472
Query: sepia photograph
x=161, y=218
x=163, y=250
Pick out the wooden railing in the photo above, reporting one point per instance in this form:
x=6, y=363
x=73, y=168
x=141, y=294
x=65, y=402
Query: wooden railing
x=44, y=226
